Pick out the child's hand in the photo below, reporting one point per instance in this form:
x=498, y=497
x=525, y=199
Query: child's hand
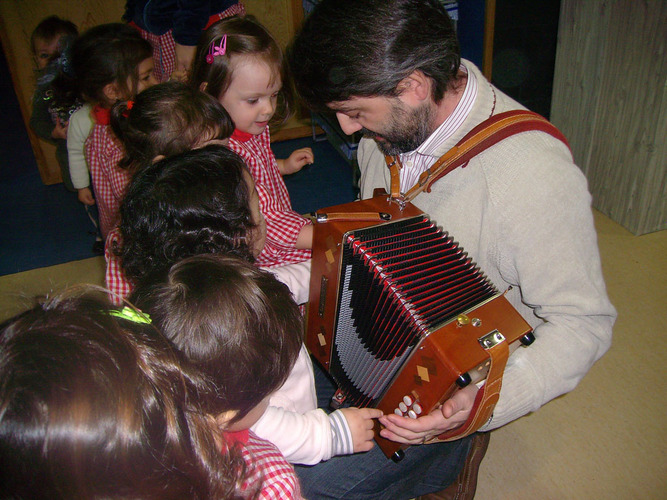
x=360, y=421
x=296, y=161
x=86, y=196
x=60, y=130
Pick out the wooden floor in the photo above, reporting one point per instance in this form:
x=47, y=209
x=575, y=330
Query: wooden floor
x=605, y=440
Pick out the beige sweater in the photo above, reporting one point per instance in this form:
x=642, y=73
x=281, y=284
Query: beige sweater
x=521, y=210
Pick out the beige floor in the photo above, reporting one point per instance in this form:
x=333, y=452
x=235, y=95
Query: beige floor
x=605, y=440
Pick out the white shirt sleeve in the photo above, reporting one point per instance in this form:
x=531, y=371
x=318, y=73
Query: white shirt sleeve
x=80, y=125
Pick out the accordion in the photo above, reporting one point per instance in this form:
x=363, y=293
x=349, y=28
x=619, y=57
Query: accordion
x=401, y=317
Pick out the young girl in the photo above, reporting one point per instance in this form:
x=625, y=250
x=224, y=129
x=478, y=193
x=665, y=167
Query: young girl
x=111, y=63
x=240, y=64
x=240, y=327
x=97, y=404
x=164, y=120
x=203, y=202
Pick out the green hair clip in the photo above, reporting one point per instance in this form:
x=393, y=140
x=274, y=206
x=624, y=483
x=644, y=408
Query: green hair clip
x=132, y=315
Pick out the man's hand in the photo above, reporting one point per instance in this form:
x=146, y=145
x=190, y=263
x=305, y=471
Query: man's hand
x=453, y=413
x=360, y=421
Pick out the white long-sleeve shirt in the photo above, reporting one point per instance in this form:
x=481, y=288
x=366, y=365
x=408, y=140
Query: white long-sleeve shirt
x=302, y=432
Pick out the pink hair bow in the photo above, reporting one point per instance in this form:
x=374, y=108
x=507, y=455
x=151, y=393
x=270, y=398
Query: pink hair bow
x=217, y=50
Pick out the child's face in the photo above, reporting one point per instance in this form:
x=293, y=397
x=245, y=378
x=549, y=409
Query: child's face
x=45, y=50
x=258, y=236
x=252, y=95
x=146, y=77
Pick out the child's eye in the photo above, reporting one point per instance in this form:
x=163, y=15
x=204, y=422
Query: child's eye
x=253, y=101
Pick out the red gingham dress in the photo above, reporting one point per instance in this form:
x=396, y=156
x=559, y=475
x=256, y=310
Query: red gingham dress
x=282, y=223
x=116, y=281
x=279, y=481
x=103, y=153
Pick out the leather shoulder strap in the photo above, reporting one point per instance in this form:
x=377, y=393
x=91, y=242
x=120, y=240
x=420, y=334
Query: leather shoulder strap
x=483, y=136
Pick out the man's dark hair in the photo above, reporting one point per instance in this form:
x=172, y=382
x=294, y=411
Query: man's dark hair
x=364, y=48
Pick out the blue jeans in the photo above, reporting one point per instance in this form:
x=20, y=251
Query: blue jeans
x=424, y=469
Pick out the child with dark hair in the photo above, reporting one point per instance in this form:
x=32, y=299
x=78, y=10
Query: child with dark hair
x=239, y=63
x=239, y=326
x=110, y=63
x=45, y=40
x=51, y=111
x=165, y=120
x=96, y=403
x=162, y=121
x=204, y=202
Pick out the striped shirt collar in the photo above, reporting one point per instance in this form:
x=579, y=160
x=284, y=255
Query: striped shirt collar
x=415, y=162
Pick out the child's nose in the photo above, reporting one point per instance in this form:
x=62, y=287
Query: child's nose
x=269, y=107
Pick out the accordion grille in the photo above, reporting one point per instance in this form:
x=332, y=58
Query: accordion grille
x=399, y=282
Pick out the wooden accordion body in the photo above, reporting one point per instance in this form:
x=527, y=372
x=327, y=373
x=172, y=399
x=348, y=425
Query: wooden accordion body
x=398, y=314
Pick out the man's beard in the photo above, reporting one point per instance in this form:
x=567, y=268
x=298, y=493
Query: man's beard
x=406, y=131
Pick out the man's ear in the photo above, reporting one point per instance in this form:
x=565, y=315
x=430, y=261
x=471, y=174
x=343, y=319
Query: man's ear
x=415, y=87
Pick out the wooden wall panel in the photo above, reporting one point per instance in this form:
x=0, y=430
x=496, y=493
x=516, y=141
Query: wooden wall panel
x=610, y=100
x=17, y=20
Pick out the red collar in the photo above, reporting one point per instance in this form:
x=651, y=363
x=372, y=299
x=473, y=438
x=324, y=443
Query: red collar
x=237, y=436
x=101, y=115
x=241, y=136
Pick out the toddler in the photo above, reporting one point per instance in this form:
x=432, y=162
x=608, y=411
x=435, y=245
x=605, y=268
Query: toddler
x=240, y=327
x=240, y=64
x=164, y=120
x=97, y=404
x=111, y=62
x=203, y=202
x=51, y=111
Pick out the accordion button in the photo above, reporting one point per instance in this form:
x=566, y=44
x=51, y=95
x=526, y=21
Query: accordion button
x=417, y=408
x=398, y=412
x=412, y=414
x=407, y=400
x=402, y=406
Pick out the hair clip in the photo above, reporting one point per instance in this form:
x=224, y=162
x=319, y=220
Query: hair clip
x=131, y=315
x=219, y=50
x=128, y=107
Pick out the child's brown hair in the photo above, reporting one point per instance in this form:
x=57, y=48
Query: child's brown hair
x=237, y=323
x=167, y=119
x=95, y=403
x=243, y=36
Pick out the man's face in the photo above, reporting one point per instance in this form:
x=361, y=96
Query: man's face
x=395, y=126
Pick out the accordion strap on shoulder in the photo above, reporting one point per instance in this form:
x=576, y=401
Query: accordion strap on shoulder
x=483, y=136
x=486, y=399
